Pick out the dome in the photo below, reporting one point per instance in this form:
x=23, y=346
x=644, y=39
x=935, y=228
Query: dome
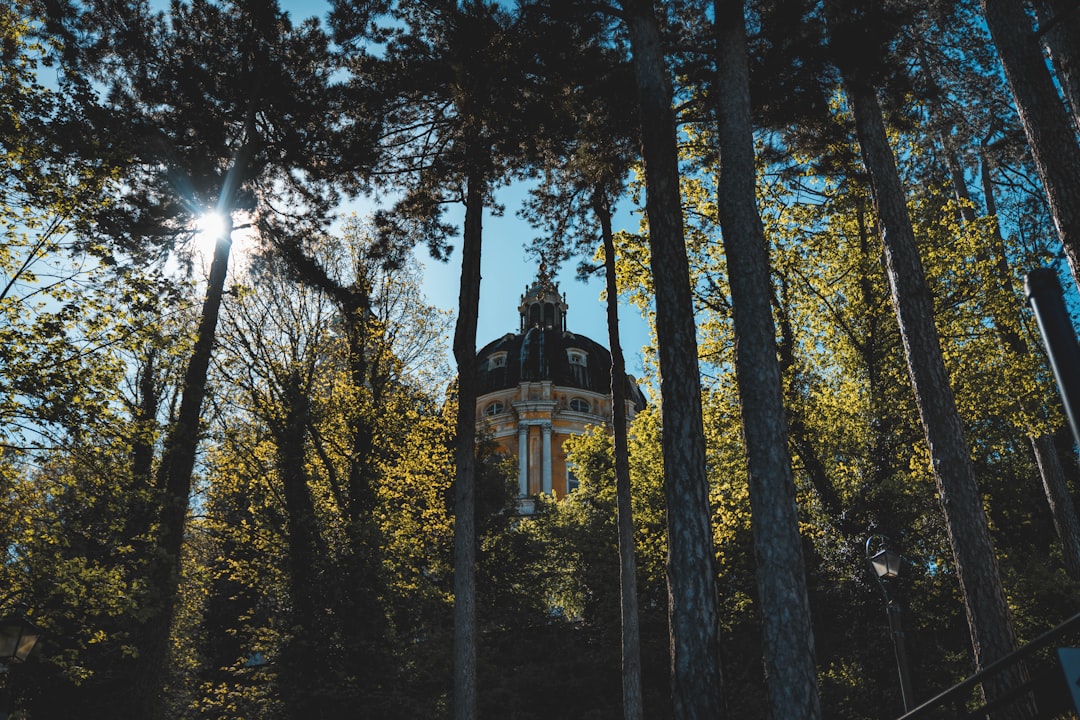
x=539, y=387
x=543, y=350
x=540, y=354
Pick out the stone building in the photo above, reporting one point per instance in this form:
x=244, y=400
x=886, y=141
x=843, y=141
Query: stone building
x=539, y=386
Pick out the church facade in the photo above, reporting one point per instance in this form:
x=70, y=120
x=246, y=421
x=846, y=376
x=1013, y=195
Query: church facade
x=542, y=385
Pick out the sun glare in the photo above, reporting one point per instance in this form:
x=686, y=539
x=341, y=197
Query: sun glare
x=208, y=228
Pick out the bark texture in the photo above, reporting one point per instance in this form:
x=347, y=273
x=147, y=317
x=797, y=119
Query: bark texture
x=781, y=579
x=1059, y=25
x=1053, y=142
x=633, y=709
x=465, y=691
x=969, y=535
x=692, y=601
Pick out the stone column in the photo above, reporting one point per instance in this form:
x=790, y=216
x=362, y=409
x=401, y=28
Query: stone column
x=523, y=459
x=546, y=428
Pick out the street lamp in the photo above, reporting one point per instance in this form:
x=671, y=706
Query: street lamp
x=885, y=563
x=18, y=635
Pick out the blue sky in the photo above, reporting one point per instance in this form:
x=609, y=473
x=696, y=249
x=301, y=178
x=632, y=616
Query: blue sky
x=506, y=270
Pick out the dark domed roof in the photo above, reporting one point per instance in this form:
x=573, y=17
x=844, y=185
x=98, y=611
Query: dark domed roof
x=544, y=350
x=544, y=354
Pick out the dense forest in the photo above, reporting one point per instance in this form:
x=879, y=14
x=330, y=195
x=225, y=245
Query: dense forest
x=240, y=467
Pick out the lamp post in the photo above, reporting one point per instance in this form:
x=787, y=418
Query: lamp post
x=885, y=564
x=18, y=636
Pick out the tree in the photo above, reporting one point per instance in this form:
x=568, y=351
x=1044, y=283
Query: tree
x=789, y=643
x=695, y=645
x=589, y=161
x=267, y=89
x=328, y=370
x=976, y=564
x=456, y=84
x=1053, y=141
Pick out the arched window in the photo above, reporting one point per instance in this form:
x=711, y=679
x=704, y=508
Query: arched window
x=579, y=405
x=578, y=360
x=494, y=408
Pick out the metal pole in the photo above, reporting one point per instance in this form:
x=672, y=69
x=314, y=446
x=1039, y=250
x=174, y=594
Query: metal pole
x=1045, y=296
x=900, y=648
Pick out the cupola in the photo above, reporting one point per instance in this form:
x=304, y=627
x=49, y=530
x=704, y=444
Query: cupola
x=542, y=306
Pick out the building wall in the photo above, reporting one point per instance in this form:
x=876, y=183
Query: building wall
x=501, y=416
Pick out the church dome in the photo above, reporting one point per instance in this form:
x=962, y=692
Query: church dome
x=543, y=350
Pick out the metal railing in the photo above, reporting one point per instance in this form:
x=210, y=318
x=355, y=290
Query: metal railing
x=1043, y=695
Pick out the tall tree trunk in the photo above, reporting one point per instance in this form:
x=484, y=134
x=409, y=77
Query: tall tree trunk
x=1060, y=501
x=1059, y=25
x=781, y=578
x=174, y=483
x=146, y=422
x=692, y=599
x=1053, y=479
x=633, y=709
x=1053, y=142
x=362, y=616
x=141, y=517
x=305, y=665
x=465, y=689
x=969, y=535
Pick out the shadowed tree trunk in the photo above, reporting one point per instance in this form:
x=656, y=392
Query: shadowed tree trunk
x=692, y=601
x=631, y=632
x=1053, y=142
x=781, y=578
x=304, y=660
x=1059, y=26
x=174, y=483
x=465, y=690
x=988, y=614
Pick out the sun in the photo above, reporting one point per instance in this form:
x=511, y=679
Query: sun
x=209, y=227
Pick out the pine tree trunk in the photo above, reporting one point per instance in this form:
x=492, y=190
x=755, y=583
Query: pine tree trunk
x=1046, y=459
x=1060, y=501
x=633, y=709
x=174, y=482
x=465, y=687
x=692, y=601
x=1053, y=141
x=781, y=578
x=969, y=535
x=1059, y=23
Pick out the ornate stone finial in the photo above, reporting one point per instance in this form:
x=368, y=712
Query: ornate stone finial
x=543, y=277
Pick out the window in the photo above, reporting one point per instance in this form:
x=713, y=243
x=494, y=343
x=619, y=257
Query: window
x=578, y=367
x=579, y=405
x=498, y=360
x=494, y=408
x=572, y=483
